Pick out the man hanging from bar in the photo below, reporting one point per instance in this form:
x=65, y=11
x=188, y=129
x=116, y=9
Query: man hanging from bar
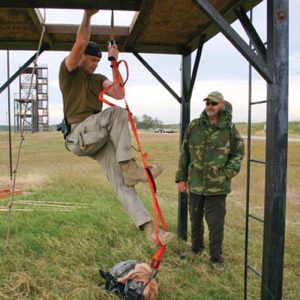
x=103, y=135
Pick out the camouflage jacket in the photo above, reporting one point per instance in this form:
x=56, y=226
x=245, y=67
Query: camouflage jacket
x=211, y=154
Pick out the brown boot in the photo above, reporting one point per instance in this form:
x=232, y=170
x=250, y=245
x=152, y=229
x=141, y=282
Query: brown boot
x=164, y=236
x=133, y=173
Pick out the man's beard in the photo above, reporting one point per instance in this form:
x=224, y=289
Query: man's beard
x=210, y=113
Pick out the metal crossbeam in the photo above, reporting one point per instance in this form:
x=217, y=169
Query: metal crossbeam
x=256, y=218
x=196, y=65
x=261, y=67
x=155, y=74
x=133, y=5
x=252, y=33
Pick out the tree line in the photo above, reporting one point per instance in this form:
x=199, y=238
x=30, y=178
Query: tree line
x=147, y=122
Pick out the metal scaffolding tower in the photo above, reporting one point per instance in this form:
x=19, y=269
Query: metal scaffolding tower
x=31, y=103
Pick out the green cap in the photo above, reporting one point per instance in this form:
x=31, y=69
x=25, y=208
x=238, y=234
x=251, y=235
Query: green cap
x=215, y=97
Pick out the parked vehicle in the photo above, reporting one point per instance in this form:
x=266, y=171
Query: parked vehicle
x=164, y=130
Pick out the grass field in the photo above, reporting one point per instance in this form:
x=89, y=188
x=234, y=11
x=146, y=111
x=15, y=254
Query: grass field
x=69, y=223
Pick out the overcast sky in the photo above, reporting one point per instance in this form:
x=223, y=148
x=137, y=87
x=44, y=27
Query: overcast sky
x=221, y=68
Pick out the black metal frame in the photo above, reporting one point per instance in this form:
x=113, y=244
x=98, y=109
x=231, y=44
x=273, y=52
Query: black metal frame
x=276, y=151
x=277, y=123
x=261, y=67
x=272, y=65
x=247, y=24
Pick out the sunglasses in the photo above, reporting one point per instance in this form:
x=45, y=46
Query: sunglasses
x=208, y=102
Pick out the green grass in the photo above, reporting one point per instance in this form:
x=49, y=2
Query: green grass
x=57, y=254
x=256, y=128
x=294, y=127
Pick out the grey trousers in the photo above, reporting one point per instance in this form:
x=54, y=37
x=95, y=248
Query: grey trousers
x=105, y=137
x=213, y=208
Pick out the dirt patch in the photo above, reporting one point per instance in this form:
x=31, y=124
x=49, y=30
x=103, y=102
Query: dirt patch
x=31, y=181
x=293, y=197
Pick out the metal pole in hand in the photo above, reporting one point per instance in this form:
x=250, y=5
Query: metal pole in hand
x=112, y=41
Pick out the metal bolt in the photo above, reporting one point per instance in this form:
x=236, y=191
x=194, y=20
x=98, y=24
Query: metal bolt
x=281, y=15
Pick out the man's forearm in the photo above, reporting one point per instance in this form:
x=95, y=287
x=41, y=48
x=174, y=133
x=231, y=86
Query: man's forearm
x=82, y=39
x=118, y=89
x=84, y=30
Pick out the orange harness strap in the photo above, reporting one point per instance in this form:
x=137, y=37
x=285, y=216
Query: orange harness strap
x=115, y=65
x=158, y=256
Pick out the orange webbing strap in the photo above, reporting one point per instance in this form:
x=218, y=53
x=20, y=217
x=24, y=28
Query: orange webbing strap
x=115, y=65
x=158, y=256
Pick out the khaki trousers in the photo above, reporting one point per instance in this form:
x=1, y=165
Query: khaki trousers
x=105, y=137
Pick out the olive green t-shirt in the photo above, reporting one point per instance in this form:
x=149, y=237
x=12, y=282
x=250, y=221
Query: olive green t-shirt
x=80, y=93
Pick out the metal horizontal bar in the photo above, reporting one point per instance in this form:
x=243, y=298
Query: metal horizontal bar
x=32, y=45
x=95, y=29
x=258, y=161
x=256, y=218
x=133, y=5
x=254, y=271
x=259, y=102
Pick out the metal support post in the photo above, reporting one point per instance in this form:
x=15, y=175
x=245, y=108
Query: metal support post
x=276, y=150
x=9, y=120
x=185, y=119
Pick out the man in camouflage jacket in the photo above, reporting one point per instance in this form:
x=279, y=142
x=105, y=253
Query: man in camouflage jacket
x=211, y=154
